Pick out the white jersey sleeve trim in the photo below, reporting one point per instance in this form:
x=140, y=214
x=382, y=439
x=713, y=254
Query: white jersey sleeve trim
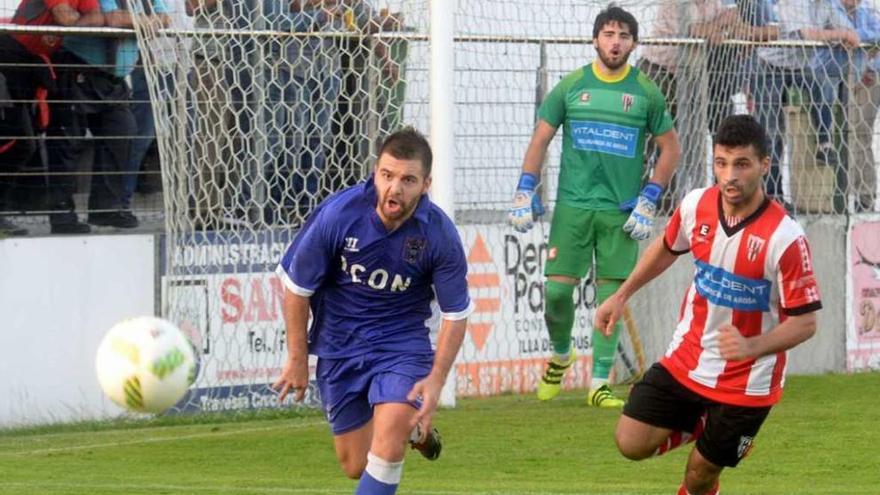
x=687, y=209
x=460, y=315
x=291, y=285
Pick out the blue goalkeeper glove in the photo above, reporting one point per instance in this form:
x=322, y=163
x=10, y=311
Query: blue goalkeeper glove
x=527, y=205
x=641, y=221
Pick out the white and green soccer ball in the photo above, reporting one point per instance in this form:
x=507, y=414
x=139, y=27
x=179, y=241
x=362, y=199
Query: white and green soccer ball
x=145, y=364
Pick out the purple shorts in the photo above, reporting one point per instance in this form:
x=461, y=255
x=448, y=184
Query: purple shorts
x=350, y=387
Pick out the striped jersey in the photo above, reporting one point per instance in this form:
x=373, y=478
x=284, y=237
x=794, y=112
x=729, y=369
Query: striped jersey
x=752, y=276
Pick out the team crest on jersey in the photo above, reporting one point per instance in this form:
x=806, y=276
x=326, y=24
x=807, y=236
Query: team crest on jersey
x=413, y=247
x=585, y=97
x=754, y=244
x=745, y=445
x=628, y=101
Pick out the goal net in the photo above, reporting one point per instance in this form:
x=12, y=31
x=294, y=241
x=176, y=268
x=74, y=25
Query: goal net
x=265, y=108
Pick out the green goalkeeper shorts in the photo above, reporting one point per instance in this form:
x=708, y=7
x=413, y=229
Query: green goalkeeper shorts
x=577, y=234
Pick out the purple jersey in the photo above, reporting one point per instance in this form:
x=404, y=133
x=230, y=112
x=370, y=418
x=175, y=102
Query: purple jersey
x=371, y=290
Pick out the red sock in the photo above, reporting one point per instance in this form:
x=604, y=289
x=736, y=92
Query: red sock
x=679, y=438
x=715, y=491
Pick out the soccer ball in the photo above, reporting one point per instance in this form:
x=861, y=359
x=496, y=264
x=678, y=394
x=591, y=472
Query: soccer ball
x=145, y=364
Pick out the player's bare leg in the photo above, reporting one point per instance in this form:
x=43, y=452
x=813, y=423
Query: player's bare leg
x=391, y=431
x=637, y=440
x=701, y=476
x=352, y=448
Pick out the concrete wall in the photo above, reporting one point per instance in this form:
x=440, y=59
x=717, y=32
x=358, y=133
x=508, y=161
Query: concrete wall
x=58, y=296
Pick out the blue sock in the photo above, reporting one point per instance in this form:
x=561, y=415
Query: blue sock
x=380, y=477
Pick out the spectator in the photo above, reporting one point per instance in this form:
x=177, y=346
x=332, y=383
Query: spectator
x=24, y=67
x=93, y=95
x=312, y=80
x=164, y=51
x=837, y=64
x=372, y=91
x=862, y=115
x=227, y=97
x=681, y=72
x=780, y=70
x=312, y=74
x=213, y=115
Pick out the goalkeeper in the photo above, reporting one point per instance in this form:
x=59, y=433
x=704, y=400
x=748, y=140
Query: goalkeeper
x=606, y=109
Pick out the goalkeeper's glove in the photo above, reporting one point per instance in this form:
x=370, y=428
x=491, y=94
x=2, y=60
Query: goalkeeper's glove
x=527, y=205
x=641, y=221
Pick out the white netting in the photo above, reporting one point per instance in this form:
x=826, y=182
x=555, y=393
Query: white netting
x=263, y=110
x=267, y=107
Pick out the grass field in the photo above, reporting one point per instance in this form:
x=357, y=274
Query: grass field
x=823, y=438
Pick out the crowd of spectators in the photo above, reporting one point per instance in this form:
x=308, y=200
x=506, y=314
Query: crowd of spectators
x=54, y=90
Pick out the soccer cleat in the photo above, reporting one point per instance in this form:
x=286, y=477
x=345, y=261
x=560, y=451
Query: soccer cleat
x=551, y=382
x=602, y=397
x=431, y=447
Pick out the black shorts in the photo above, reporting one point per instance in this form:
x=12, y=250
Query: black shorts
x=660, y=400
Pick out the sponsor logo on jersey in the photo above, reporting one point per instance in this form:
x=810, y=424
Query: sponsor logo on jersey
x=628, y=101
x=585, y=97
x=702, y=233
x=754, y=244
x=413, y=247
x=723, y=288
x=351, y=244
x=378, y=279
x=612, y=139
x=551, y=253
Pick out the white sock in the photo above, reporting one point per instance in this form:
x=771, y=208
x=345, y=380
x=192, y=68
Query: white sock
x=597, y=382
x=562, y=358
x=385, y=471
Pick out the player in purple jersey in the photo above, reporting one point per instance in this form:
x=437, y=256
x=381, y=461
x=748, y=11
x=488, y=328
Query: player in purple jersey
x=368, y=264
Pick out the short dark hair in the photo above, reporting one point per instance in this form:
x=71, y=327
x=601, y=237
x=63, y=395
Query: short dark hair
x=743, y=130
x=613, y=13
x=409, y=144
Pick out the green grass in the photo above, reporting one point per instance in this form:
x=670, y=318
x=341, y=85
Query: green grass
x=822, y=439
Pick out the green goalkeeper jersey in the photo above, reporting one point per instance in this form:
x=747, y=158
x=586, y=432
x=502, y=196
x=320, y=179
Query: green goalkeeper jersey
x=605, y=124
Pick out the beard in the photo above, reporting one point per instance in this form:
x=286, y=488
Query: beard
x=609, y=62
x=396, y=208
x=743, y=192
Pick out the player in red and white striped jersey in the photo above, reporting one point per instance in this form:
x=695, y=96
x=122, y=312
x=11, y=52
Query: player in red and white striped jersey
x=753, y=297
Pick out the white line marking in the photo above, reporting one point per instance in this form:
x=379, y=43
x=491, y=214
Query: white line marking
x=127, y=488
x=159, y=439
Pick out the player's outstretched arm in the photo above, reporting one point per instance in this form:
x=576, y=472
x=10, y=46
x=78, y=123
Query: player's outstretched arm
x=448, y=344
x=541, y=137
x=654, y=262
x=295, y=374
x=670, y=153
x=795, y=329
